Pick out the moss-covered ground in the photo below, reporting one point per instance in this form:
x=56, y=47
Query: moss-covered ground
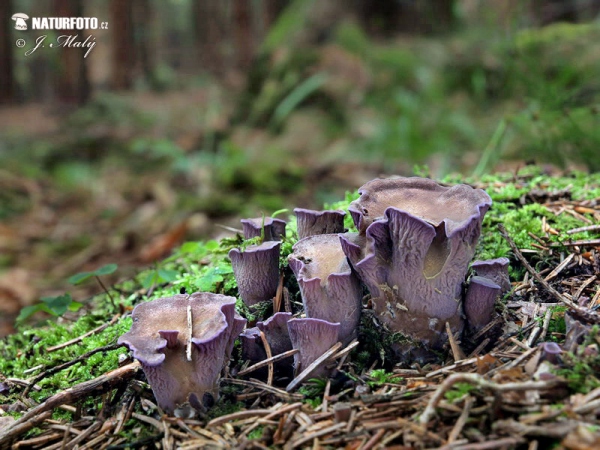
x=537, y=209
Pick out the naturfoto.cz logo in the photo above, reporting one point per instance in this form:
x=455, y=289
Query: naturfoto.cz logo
x=58, y=23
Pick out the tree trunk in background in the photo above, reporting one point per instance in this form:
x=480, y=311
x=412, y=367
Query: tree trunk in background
x=72, y=84
x=272, y=9
x=242, y=31
x=6, y=49
x=549, y=11
x=123, y=44
x=441, y=13
x=146, y=48
x=209, y=33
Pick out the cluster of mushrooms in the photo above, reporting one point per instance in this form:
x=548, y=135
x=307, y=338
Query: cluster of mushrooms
x=412, y=252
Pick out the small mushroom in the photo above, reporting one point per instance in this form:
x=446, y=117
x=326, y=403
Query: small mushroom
x=495, y=270
x=256, y=271
x=415, y=242
x=550, y=351
x=330, y=290
x=276, y=332
x=312, y=337
x=183, y=343
x=274, y=229
x=252, y=350
x=310, y=222
x=480, y=299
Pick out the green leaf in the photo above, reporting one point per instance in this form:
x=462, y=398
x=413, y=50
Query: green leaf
x=79, y=277
x=190, y=247
x=151, y=279
x=210, y=279
x=29, y=311
x=167, y=275
x=58, y=305
x=82, y=276
x=75, y=306
x=105, y=270
x=211, y=245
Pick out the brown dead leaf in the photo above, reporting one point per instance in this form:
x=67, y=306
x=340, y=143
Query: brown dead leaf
x=581, y=438
x=486, y=363
x=164, y=243
x=16, y=291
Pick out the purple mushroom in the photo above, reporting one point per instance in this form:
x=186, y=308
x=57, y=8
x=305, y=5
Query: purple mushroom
x=480, y=299
x=182, y=343
x=256, y=271
x=276, y=332
x=550, y=351
x=252, y=349
x=416, y=240
x=330, y=290
x=495, y=270
x=274, y=229
x=312, y=337
x=312, y=222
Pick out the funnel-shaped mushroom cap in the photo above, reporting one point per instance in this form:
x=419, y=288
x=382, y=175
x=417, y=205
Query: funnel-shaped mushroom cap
x=416, y=239
x=182, y=343
x=330, y=290
x=277, y=333
x=252, y=349
x=550, y=351
x=312, y=222
x=422, y=198
x=479, y=301
x=256, y=271
x=495, y=270
x=274, y=228
x=312, y=337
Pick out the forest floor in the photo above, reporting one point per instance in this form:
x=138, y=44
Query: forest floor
x=69, y=385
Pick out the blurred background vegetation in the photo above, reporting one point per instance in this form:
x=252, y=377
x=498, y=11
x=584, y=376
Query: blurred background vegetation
x=188, y=114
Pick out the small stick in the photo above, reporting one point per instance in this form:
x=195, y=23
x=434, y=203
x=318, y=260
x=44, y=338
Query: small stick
x=112, y=300
x=83, y=336
x=576, y=243
x=270, y=360
x=317, y=434
x=462, y=420
x=374, y=440
x=188, y=350
x=479, y=348
x=260, y=385
x=481, y=382
x=584, y=285
x=590, y=316
x=558, y=269
x=63, y=366
x=582, y=229
x=457, y=352
x=546, y=324
x=70, y=395
x=263, y=338
x=316, y=363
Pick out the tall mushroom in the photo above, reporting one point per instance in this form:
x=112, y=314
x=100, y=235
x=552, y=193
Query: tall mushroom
x=416, y=239
x=182, y=343
x=256, y=270
x=495, y=270
x=312, y=337
x=310, y=222
x=271, y=229
x=330, y=290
